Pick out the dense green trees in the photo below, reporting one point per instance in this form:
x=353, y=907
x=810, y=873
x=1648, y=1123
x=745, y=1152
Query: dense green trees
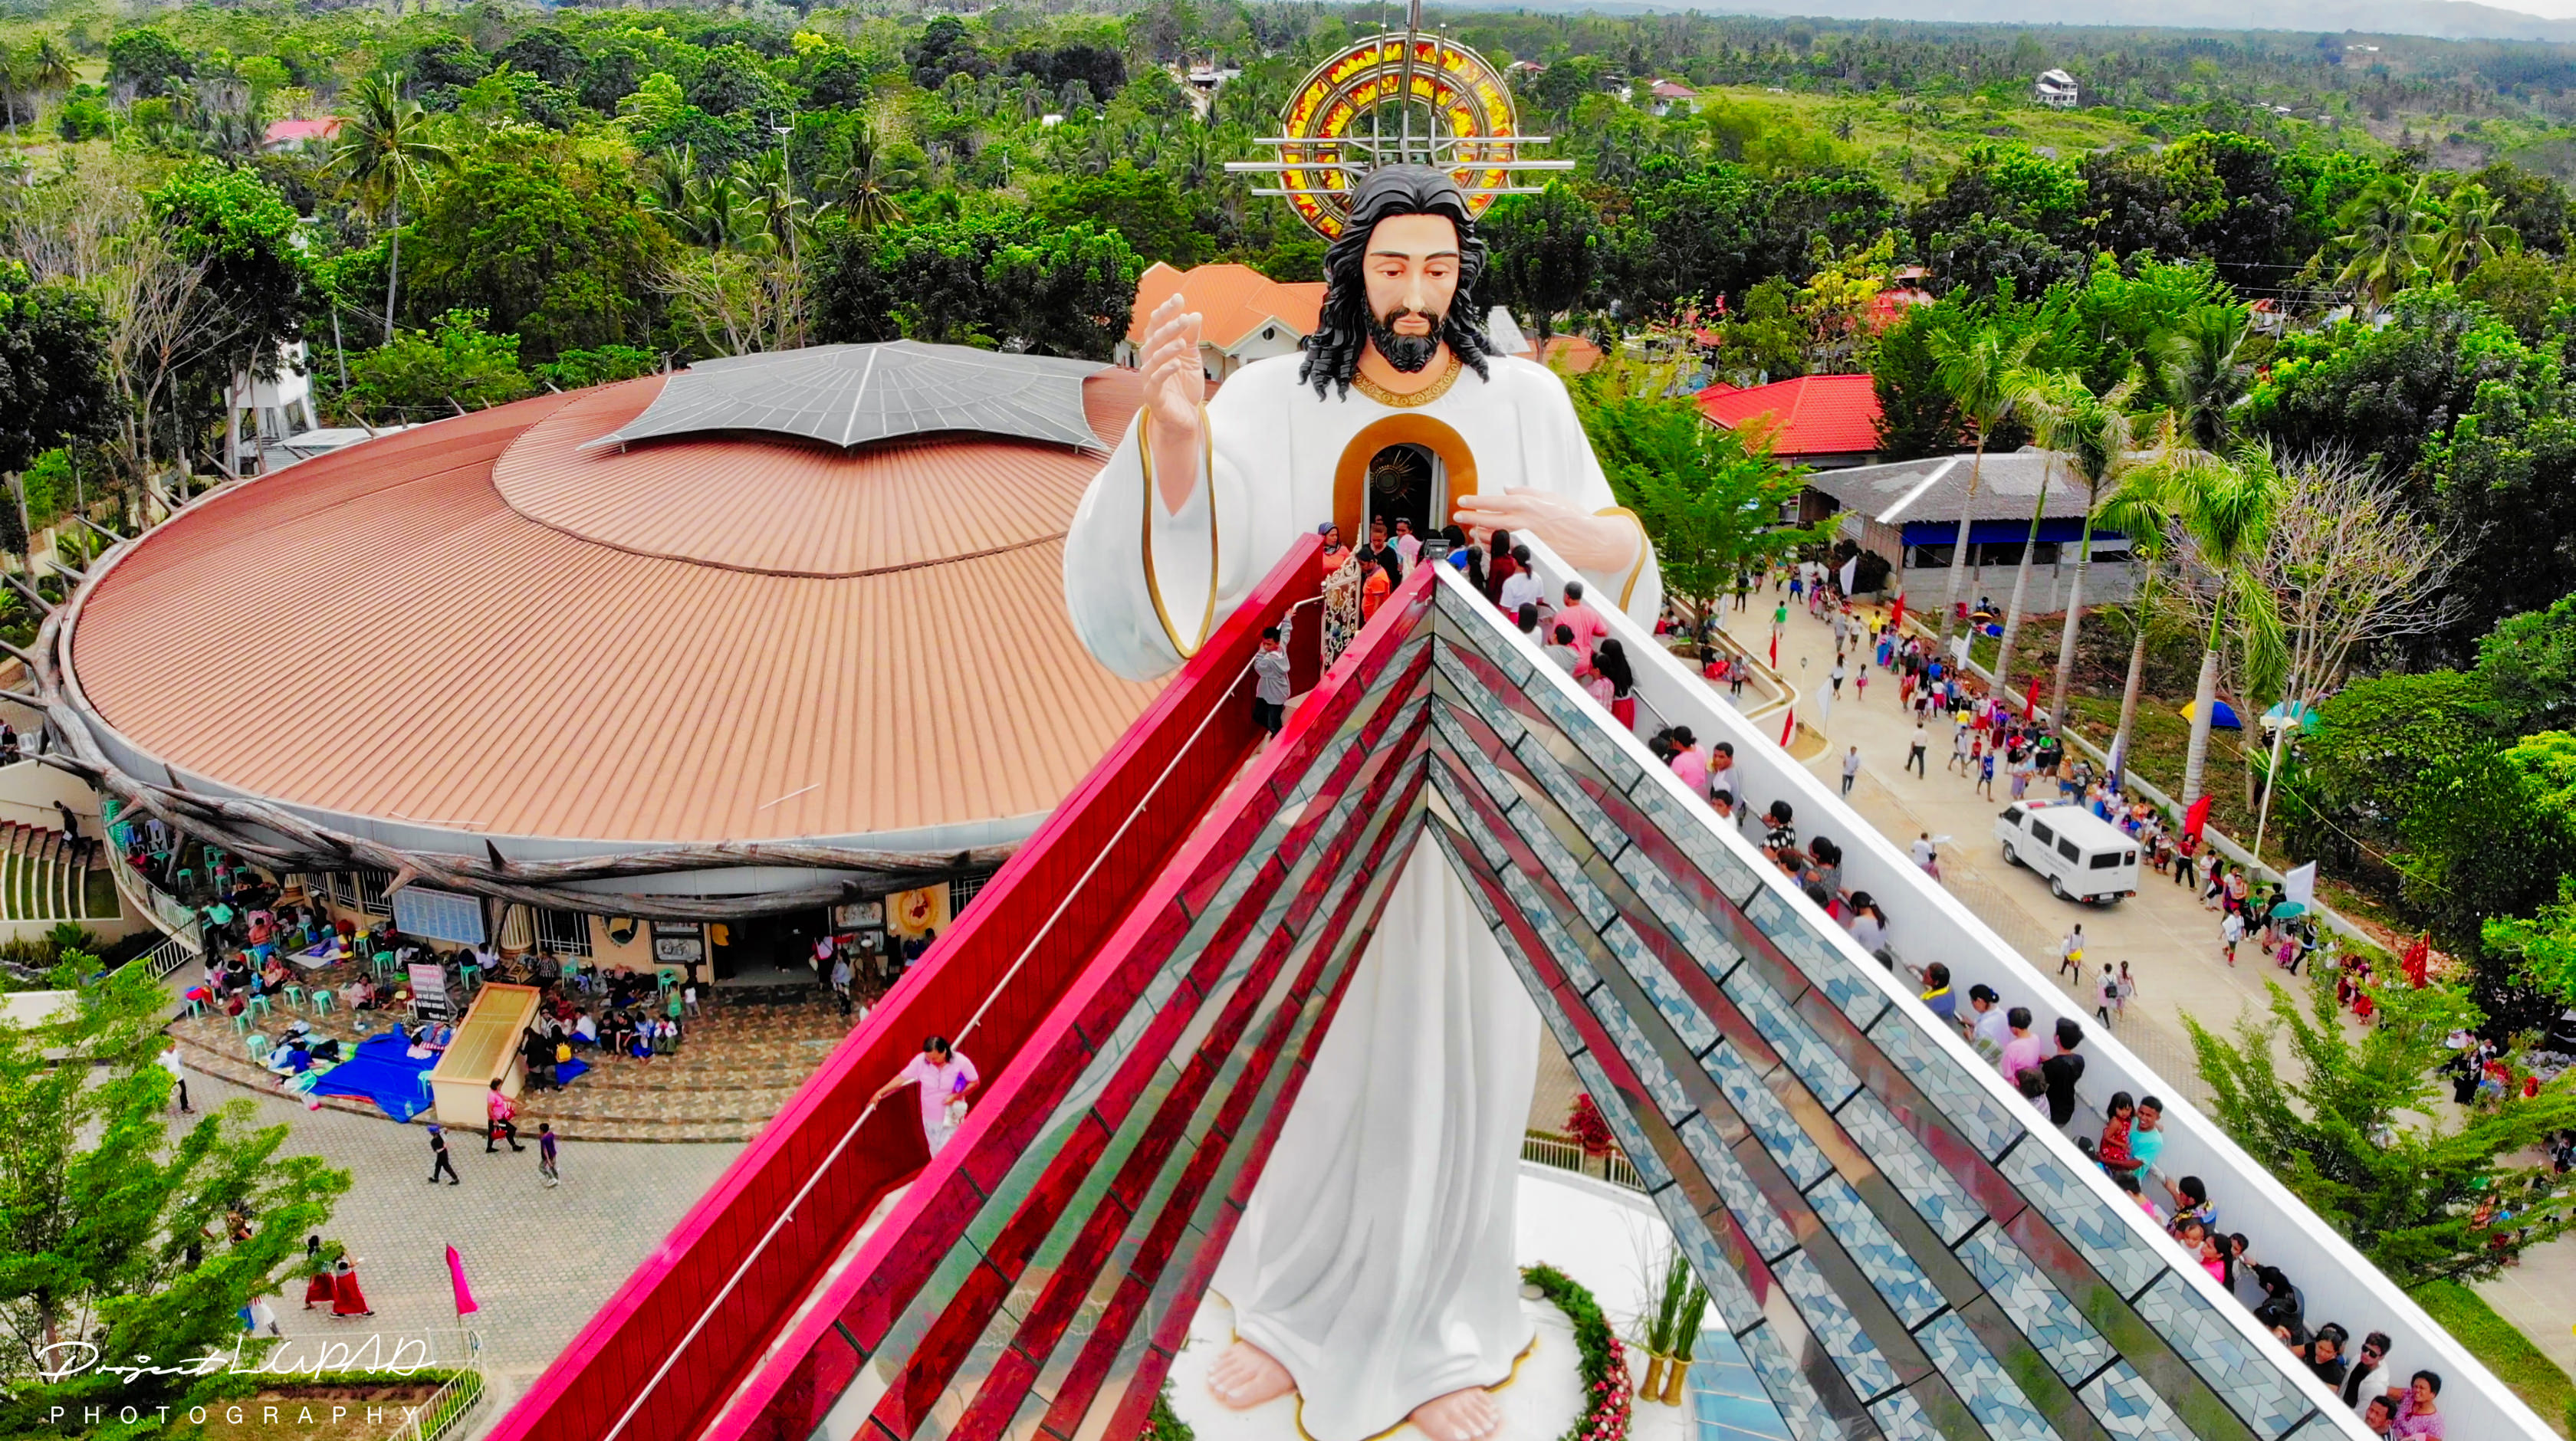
x=53, y=368
x=982, y=281
x=112, y=1227
x=2344, y=1126
x=547, y=236
x=1545, y=250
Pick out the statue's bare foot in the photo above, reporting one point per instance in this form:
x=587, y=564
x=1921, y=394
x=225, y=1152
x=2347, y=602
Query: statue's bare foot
x=1466, y=1415
x=1245, y=1376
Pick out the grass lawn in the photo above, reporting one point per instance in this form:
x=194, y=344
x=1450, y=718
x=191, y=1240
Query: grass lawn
x=2504, y=1350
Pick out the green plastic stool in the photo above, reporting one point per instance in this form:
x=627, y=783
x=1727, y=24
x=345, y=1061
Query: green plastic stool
x=258, y=1006
x=324, y=1000
x=295, y=996
x=242, y=1021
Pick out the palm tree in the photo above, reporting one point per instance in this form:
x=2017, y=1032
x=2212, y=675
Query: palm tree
x=2206, y=375
x=2100, y=440
x=2471, y=237
x=868, y=186
x=1975, y=372
x=2223, y=510
x=49, y=67
x=16, y=79
x=2386, y=240
x=2048, y=401
x=386, y=152
x=2139, y=510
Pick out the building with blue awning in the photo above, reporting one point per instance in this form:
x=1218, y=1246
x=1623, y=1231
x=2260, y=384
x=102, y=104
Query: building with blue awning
x=1908, y=512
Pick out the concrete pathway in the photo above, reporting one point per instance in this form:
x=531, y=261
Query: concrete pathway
x=2170, y=943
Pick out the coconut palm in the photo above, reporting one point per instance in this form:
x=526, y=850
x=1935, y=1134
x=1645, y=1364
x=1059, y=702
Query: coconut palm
x=2047, y=401
x=2387, y=243
x=1976, y=372
x=2471, y=237
x=2139, y=509
x=2206, y=375
x=2100, y=442
x=868, y=186
x=2223, y=511
x=50, y=70
x=387, y=154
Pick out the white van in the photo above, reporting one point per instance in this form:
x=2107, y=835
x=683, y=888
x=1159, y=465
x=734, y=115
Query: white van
x=2084, y=857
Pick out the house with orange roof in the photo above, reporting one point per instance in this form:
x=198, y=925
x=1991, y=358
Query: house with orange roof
x=1244, y=315
x=1825, y=422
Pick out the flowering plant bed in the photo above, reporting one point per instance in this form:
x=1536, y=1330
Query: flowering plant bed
x=1603, y=1365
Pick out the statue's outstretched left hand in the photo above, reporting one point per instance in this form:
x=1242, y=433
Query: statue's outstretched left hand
x=1600, y=544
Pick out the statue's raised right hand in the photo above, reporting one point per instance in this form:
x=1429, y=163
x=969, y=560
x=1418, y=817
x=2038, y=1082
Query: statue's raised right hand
x=1175, y=388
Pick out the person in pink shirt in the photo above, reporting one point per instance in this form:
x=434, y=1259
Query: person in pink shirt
x=2023, y=1051
x=1587, y=623
x=946, y=1078
x=1688, y=762
x=2418, y=1418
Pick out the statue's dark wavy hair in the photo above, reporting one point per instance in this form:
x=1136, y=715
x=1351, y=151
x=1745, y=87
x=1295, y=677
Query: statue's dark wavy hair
x=1333, y=351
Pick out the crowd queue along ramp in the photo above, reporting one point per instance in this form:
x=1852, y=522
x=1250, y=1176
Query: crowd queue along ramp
x=1902, y=1246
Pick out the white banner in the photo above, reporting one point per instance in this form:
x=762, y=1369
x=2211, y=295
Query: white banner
x=1851, y=569
x=2300, y=885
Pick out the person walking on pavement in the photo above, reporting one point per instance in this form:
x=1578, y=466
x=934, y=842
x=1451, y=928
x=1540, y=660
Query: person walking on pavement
x=2230, y=931
x=1851, y=768
x=501, y=1114
x=178, y=1077
x=438, y=1158
x=546, y=1154
x=1914, y=757
x=2106, y=995
x=2070, y=953
x=1927, y=855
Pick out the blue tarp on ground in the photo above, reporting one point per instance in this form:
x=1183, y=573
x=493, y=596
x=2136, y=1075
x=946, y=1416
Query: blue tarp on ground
x=381, y=1073
x=568, y=1071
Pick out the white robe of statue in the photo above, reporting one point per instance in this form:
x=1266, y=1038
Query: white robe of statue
x=1375, y=1259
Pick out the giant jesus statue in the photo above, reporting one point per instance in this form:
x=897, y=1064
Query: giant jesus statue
x=1373, y=1272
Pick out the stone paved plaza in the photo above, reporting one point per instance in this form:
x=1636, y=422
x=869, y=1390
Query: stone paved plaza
x=540, y=1261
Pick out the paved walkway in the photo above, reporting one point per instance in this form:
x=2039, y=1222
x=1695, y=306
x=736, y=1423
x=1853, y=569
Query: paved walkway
x=540, y=1261
x=2170, y=943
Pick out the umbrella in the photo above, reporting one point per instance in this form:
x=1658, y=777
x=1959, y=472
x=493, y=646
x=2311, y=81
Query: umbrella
x=2222, y=716
x=2300, y=714
x=2287, y=909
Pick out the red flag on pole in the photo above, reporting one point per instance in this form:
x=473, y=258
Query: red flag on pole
x=2196, y=817
x=1775, y=650
x=1789, y=726
x=465, y=1304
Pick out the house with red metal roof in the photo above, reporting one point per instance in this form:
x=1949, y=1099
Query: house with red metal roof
x=299, y=134
x=1826, y=422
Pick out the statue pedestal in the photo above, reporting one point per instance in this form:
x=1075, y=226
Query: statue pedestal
x=1596, y=1233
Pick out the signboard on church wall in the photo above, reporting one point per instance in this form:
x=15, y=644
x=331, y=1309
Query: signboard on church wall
x=917, y=912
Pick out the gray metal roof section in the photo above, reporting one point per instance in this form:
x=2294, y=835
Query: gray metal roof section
x=2007, y=486
x=853, y=395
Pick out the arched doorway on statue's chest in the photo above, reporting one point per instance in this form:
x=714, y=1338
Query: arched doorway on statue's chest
x=1409, y=466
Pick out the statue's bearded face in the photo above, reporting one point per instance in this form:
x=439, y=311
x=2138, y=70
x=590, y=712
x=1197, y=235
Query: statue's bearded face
x=1412, y=270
